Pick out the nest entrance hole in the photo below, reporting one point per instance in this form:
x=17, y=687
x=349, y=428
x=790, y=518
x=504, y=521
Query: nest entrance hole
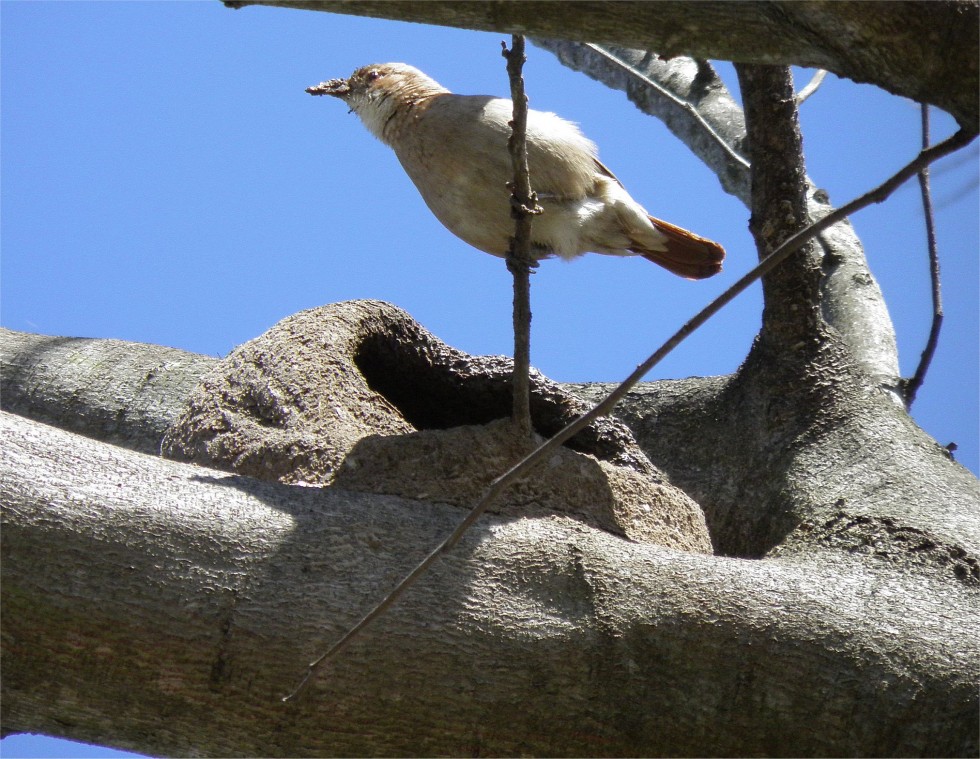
x=429, y=393
x=434, y=386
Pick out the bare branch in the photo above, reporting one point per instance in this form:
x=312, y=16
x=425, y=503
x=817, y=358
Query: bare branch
x=812, y=86
x=692, y=112
x=524, y=205
x=688, y=96
x=937, y=297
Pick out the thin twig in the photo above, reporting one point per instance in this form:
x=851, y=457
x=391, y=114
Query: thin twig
x=679, y=102
x=524, y=205
x=770, y=262
x=913, y=385
x=689, y=103
x=811, y=87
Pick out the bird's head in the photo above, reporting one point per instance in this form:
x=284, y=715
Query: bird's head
x=375, y=92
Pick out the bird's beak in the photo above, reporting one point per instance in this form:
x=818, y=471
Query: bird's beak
x=336, y=87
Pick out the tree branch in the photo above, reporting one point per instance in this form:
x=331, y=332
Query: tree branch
x=811, y=87
x=189, y=589
x=123, y=393
x=852, y=302
x=937, y=297
x=889, y=44
x=524, y=206
x=690, y=110
x=686, y=95
x=778, y=208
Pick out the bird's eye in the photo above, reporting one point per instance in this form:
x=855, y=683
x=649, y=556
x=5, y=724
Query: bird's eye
x=373, y=74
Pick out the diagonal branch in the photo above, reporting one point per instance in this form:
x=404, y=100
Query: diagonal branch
x=811, y=87
x=688, y=96
x=692, y=113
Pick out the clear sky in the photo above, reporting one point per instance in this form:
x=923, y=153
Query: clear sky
x=165, y=179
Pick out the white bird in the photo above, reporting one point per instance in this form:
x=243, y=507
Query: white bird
x=454, y=148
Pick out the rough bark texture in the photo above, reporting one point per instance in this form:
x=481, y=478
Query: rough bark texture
x=107, y=389
x=193, y=598
x=863, y=457
x=291, y=403
x=162, y=607
x=891, y=44
x=693, y=102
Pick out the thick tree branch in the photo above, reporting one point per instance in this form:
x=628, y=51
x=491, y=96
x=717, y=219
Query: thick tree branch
x=774, y=83
x=159, y=606
x=687, y=95
x=119, y=392
x=926, y=50
x=778, y=206
x=191, y=591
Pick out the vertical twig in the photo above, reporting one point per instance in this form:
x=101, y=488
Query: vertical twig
x=913, y=385
x=524, y=205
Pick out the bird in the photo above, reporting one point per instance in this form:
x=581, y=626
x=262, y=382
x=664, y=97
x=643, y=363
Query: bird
x=454, y=149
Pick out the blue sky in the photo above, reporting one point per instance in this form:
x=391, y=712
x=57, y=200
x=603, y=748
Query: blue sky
x=165, y=179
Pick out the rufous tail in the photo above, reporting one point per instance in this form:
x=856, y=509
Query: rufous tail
x=687, y=254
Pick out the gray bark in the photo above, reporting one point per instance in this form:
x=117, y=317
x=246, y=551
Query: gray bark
x=693, y=102
x=194, y=597
x=123, y=393
x=165, y=608
x=926, y=50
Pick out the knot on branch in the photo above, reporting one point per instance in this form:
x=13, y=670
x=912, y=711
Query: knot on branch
x=522, y=207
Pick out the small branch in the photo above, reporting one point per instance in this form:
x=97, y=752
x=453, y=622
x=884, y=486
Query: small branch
x=692, y=112
x=711, y=124
x=770, y=262
x=524, y=205
x=937, y=298
x=812, y=86
x=521, y=380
